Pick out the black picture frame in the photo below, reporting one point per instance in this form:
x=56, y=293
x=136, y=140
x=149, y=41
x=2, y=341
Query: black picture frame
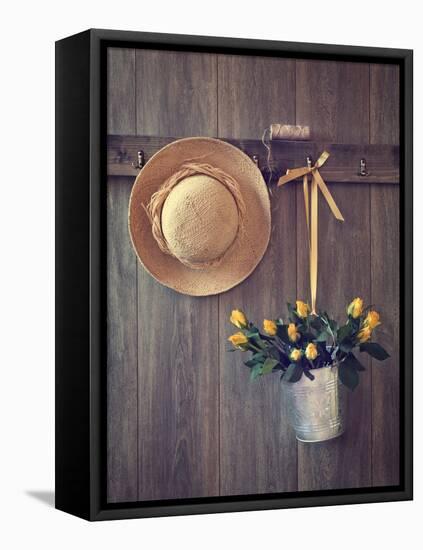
x=81, y=279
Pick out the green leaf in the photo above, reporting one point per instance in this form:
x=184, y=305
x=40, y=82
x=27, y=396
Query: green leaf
x=268, y=365
x=273, y=353
x=343, y=332
x=309, y=374
x=293, y=372
x=317, y=324
x=346, y=345
x=323, y=336
x=255, y=372
x=260, y=343
x=251, y=363
x=307, y=335
x=375, y=350
x=352, y=360
x=348, y=375
x=333, y=325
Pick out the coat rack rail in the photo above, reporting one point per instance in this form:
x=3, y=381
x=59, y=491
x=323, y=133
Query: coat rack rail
x=348, y=163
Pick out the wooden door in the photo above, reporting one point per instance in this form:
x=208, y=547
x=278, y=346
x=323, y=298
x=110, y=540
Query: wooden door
x=183, y=419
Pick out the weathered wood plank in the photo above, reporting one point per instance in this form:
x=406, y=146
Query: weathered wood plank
x=177, y=335
x=344, y=272
x=384, y=104
x=121, y=91
x=342, y=166
x=258, y=451
x=176, y=93
x=254, y=92
x=122, y=421
x=384, y=128
x=333, y=99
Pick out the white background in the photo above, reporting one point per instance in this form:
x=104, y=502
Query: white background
x=28, y=32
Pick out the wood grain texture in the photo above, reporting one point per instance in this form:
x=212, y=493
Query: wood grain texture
x=384, y=104
x=342, y=166
x=257, y=448
x=177, y=335
x=176, y=93
x=121, y=91
x=384, y=128
x=183, y=418
x=122, y=394
x=344, y=273
x=253, y=93
x=334, y=99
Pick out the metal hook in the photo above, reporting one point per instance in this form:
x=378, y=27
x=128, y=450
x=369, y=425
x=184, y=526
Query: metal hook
x=255, y=159
x=363, y=168
x=309, y=161
x=140, y=160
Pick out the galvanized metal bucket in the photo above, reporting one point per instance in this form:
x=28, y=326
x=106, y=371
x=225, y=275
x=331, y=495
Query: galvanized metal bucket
x=316, y=408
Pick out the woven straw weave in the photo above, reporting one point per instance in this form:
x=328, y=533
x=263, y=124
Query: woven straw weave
x=200, y=218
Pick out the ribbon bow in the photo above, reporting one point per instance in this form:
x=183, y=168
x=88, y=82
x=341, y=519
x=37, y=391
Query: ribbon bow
x=312, y=216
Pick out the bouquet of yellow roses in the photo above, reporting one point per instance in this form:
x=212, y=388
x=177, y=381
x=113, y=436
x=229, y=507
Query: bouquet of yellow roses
x=308, y=341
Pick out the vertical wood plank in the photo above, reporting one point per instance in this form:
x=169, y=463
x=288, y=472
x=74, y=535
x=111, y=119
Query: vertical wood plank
x=176, y=94
x=121, y=91
x=254, y=92
x=384, y=128
x=333, y=98
x=344, y=272
x=257, y=448
x=384, y=104
x=177, y=335
x=122, y=421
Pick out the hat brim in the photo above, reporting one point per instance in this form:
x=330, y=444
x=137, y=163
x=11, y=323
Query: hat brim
x=248, y=248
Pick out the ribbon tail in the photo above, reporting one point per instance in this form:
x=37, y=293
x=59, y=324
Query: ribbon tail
x=307, y=206
x=327, y=194
x=293, y=175
x=314, y=242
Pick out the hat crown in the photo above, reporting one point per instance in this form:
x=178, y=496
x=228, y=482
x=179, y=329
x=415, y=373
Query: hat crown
x=199, y=219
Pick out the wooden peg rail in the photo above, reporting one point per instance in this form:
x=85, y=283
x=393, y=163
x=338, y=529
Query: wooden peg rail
x=380, y=163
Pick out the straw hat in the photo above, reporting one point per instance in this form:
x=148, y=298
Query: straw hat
x=199, y=216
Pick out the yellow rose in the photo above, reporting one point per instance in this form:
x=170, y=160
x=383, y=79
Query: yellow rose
x=311, y=352
x=372, y=319
x=270, y=327
x=364, y=334
x=293, y=334
x=239, y=340
x=302, y=309
x=295, y=354
x=238, y=318
x=355, y=309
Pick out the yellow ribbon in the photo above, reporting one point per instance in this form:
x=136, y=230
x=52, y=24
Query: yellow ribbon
x=312, y=213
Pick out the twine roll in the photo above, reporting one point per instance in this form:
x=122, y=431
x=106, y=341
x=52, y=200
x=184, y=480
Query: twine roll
x=289, y=132
x=157, y=200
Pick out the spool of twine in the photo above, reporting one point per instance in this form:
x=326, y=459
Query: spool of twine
x=290, y=132
x=157, y=200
